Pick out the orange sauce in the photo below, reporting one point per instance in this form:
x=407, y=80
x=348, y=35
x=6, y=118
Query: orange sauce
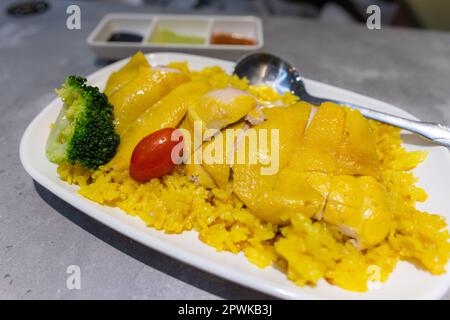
x=231, y=38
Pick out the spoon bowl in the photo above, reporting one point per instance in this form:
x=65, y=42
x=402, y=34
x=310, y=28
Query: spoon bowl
x=264, y=68
x=267, y=69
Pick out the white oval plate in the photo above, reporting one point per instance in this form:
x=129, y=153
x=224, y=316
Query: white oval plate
x=406, y=282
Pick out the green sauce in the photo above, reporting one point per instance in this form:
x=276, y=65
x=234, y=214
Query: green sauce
x=164, y=35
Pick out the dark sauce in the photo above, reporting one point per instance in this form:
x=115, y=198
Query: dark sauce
x=125, y=37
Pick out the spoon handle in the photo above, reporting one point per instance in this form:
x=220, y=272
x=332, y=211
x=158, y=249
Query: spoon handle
x=436, y=132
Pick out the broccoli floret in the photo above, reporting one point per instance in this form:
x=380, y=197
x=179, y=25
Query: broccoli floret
x=84, y=130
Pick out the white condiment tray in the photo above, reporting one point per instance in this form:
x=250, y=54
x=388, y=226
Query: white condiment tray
x=189, y=25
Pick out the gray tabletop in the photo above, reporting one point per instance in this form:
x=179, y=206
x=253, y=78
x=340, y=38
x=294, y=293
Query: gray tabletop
x=41, y=235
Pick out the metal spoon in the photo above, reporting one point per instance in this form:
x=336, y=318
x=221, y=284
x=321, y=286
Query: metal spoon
x=263, y=68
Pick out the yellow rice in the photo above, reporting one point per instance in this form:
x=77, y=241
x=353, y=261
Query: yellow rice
x=306, y=250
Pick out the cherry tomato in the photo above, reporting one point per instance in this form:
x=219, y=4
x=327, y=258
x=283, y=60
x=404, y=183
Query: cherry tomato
x=152, y=157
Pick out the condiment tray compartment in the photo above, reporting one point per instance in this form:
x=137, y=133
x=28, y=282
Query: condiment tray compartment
x=120, y=35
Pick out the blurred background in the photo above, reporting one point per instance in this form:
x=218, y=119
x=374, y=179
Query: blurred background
x=427, y=14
